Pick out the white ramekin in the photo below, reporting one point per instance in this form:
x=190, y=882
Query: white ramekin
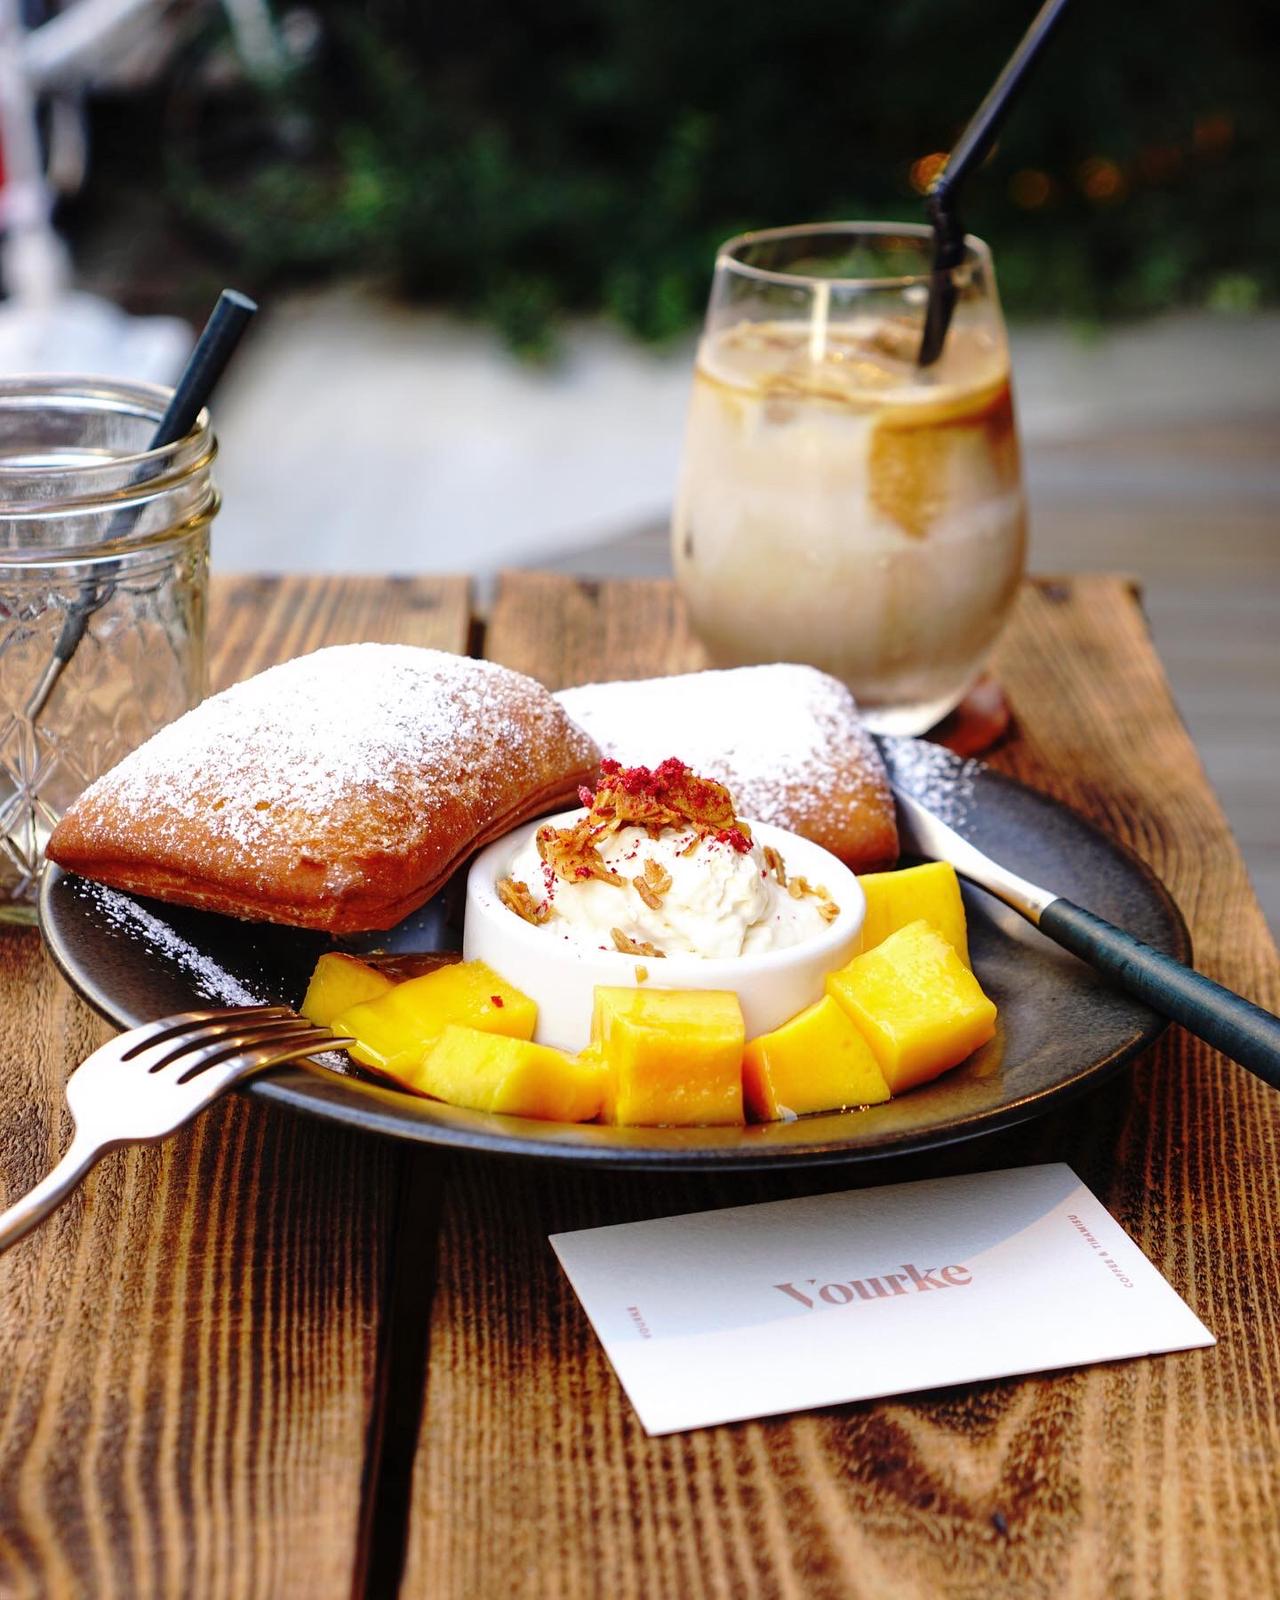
x=562, y=976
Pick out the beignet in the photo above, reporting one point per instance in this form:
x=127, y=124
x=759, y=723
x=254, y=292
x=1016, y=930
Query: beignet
x=785, y=740
x=337, y=791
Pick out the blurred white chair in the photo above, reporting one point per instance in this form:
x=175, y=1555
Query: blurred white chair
x=45, y=325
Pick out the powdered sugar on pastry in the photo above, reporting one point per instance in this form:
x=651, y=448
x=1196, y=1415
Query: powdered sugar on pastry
x=318, y=734
x=336, y=790
x=786, y=740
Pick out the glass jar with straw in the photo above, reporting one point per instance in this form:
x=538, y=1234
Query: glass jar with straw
x=106, y=502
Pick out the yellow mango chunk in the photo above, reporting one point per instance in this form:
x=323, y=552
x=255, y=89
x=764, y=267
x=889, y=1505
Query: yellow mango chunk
x=395, y=1031
x=818, y=1061
x=339, y=982
x=919, y=1007
x=930, y=891
x=488, y=1072
x=672, y=1057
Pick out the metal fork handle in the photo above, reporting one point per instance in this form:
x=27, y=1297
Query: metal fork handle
x=229, y=1059
x=25, y=1214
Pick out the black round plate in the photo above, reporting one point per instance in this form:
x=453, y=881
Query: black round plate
x=1061, y=1028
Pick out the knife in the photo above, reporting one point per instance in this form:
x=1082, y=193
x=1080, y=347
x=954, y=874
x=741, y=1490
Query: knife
x=928, y=779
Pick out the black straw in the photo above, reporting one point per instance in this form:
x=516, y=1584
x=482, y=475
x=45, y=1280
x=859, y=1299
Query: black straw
x=214, y=348
x=970, y=151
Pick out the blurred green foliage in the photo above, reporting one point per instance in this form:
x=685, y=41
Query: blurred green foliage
x=519, y=161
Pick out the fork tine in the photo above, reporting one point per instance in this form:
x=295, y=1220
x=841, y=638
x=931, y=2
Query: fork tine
x=223, y=1074
x=255, y=1048
x=167, y=1051
x=152, y=1033
x=272, y=1055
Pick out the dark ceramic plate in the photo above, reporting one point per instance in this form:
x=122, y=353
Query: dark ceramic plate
x=1061, y=1029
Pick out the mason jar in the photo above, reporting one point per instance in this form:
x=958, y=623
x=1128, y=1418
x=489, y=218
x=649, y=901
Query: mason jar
x=104, y=559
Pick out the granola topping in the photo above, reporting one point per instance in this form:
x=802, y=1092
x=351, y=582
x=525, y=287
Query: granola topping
x=516, y=897
x=655, y=799
x=633, y=947
x=658, y=863
x=652, y=884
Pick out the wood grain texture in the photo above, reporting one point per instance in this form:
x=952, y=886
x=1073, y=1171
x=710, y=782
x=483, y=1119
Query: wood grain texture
x=188, y=1350
x=1151, y=1478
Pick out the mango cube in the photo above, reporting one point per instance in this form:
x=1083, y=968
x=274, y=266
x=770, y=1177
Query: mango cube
x=339, y=982
x=919, y=1007
x=818, y=1061
x=394, y=1032
x=930, y=891
x=672, y=1057
x=487, y=1072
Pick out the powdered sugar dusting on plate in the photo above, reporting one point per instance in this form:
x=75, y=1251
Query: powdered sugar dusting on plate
x=781, y=737
x=939, y=779
x=211, y=980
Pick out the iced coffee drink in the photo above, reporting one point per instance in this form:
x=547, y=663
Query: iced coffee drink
x=839, y=505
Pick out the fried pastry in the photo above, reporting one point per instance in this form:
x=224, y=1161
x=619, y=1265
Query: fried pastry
x=785, y=740
x=337, y=791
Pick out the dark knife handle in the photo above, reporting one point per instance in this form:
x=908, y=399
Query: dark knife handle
x=1227, y=1021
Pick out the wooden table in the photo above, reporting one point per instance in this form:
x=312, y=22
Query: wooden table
x=272, y=1358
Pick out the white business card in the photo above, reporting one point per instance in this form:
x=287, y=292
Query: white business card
x=721, y=1315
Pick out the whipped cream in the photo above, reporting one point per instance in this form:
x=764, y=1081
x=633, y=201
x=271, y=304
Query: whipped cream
x=702, y=896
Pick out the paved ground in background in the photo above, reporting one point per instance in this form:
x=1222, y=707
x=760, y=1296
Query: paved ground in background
x=362, y=437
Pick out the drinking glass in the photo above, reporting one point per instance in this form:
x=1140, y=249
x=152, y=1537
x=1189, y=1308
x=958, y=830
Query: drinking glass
x=104, y=553
x=838, y=504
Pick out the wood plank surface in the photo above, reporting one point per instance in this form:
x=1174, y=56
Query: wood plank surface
x=1150, y=1478
x=189, y=1357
